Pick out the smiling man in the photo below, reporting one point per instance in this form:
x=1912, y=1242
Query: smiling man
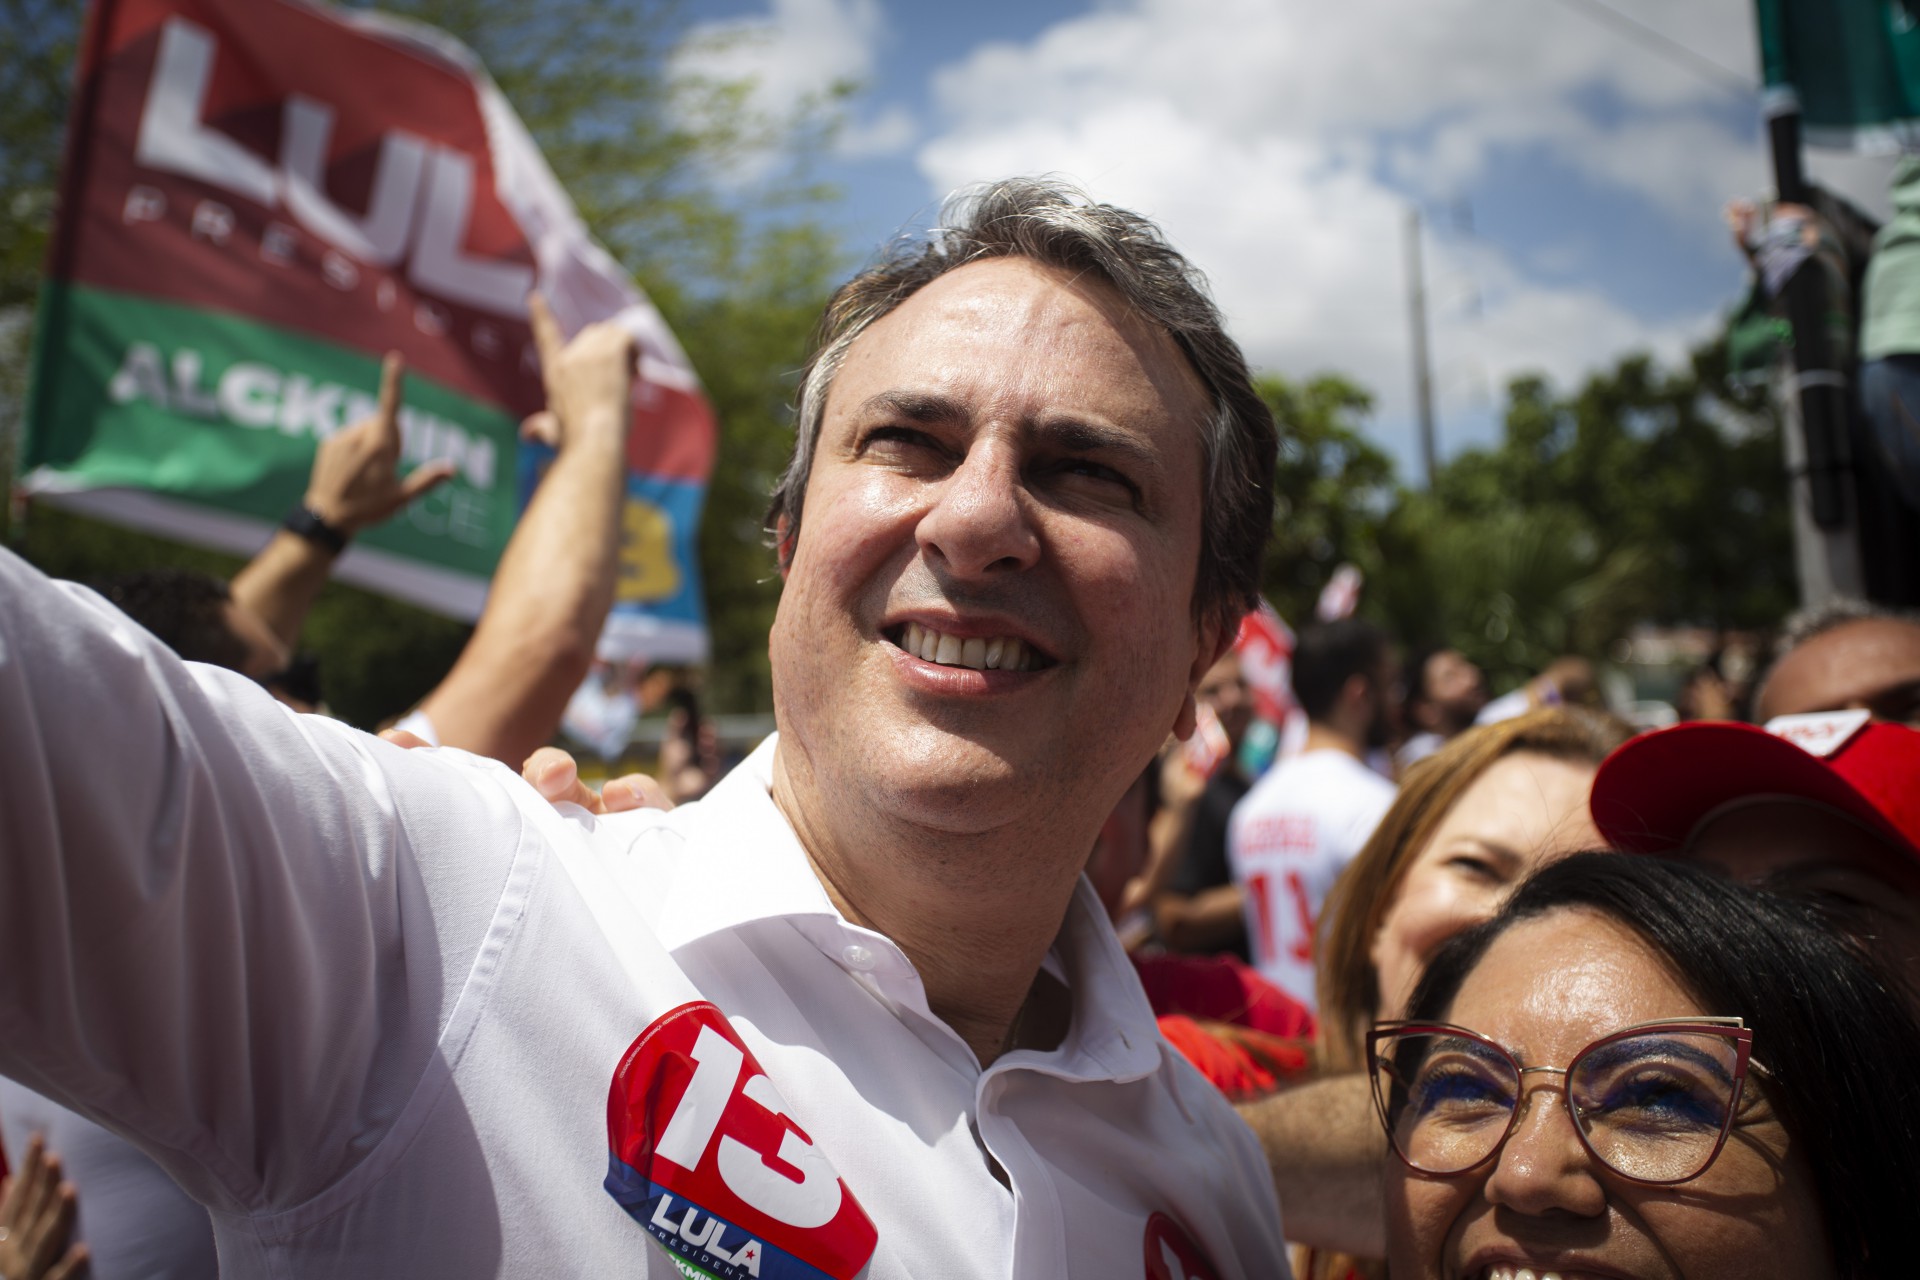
x=855, y=1012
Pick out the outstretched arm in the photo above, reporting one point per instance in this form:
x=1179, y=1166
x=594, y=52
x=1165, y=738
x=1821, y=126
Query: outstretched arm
x=355, y=484
x=551, y=593
x=229, y=932
x=1328, y=1157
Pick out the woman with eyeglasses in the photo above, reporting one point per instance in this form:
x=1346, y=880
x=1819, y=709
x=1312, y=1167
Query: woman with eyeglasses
x=1638, y=1069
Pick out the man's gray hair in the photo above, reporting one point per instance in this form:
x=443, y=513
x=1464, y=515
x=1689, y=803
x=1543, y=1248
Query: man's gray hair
x=1059, y=226
x=1819, y=619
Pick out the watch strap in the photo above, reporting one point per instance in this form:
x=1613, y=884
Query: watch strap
x=304, y=522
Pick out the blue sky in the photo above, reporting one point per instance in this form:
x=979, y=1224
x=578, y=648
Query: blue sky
x=1571, y=177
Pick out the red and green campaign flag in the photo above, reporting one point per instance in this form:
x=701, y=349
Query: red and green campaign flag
x=264, y=196
x=1851, y=66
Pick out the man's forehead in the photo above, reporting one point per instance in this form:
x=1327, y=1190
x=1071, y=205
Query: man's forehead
x=990, y=297
x=1772, y=835
x=1840, y=668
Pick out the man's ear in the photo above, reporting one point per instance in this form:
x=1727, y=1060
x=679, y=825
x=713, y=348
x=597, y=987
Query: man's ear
x=1359, y=692
x=783, y=539
x=1212, y=640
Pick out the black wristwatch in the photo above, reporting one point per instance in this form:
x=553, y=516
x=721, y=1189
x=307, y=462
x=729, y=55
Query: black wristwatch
x=303, y=521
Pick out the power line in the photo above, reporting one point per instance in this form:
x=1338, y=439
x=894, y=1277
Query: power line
x=1665, y=45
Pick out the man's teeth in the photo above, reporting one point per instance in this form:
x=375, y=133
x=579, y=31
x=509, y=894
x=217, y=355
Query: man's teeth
x=1002, y=653
x=1502, y=1271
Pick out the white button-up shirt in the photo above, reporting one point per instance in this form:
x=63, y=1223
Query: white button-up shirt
x=389, y=1013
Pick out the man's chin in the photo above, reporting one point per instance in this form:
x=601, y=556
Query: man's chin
x=954, y=780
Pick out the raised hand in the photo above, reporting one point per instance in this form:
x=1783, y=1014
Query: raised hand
x=589, y=380
x=36, y=1217
x=356, y=481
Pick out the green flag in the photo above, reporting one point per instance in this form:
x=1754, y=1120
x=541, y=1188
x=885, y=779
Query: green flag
x=1852, y=66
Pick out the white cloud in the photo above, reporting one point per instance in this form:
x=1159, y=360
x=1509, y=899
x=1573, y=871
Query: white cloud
x=800, y=50
x=796, y=56
x=1278, y=144
x=891, y=132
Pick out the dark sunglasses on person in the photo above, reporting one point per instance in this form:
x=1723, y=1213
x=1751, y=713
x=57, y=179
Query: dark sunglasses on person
x=1653, y=1102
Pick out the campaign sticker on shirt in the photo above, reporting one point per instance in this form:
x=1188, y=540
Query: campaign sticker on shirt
x=1172, y=1254
x=706, y=1158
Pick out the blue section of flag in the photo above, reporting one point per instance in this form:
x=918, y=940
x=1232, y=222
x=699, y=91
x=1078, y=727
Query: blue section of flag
x=681, y=500
x=688, y=1232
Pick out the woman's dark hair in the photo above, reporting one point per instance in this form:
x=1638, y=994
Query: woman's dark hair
x=1840, y=1047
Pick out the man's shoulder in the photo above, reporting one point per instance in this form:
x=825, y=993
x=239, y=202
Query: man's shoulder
x=1318, y=776
x=712, y=865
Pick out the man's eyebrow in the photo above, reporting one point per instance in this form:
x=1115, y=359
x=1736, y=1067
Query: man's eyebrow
x=1075, y=435
x=915, y=406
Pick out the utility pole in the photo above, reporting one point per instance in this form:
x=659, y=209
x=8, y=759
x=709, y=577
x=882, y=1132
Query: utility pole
x=1422, y=367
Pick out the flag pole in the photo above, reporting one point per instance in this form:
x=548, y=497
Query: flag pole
x=1820, y=466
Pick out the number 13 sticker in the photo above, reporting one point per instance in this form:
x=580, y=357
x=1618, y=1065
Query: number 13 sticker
x=706, y=1158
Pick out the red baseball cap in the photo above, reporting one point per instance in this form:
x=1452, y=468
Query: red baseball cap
x=1654, y=791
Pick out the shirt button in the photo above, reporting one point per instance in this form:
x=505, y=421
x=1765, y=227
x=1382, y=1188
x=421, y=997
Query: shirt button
x=858, y=957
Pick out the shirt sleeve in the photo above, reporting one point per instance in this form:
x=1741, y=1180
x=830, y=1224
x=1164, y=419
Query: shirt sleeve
x=228, y=932
x=418, y=723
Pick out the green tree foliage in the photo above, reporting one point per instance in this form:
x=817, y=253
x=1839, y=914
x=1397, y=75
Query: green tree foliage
x=36, y=49
x=748, y=343
x=1648, y=494
x=1512, y=588
x=739, y=265
x=1332, y=489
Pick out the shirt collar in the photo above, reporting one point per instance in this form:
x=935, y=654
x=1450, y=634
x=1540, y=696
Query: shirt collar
x=1114, y=1035
x=745, y=864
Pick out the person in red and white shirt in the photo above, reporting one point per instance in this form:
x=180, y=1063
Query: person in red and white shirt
x=1302, y=823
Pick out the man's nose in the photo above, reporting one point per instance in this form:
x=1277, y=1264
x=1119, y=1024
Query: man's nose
x=1543, y=1167
x=980, y=519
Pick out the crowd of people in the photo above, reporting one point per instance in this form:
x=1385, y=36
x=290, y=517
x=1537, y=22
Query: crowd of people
x=1006, y=955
